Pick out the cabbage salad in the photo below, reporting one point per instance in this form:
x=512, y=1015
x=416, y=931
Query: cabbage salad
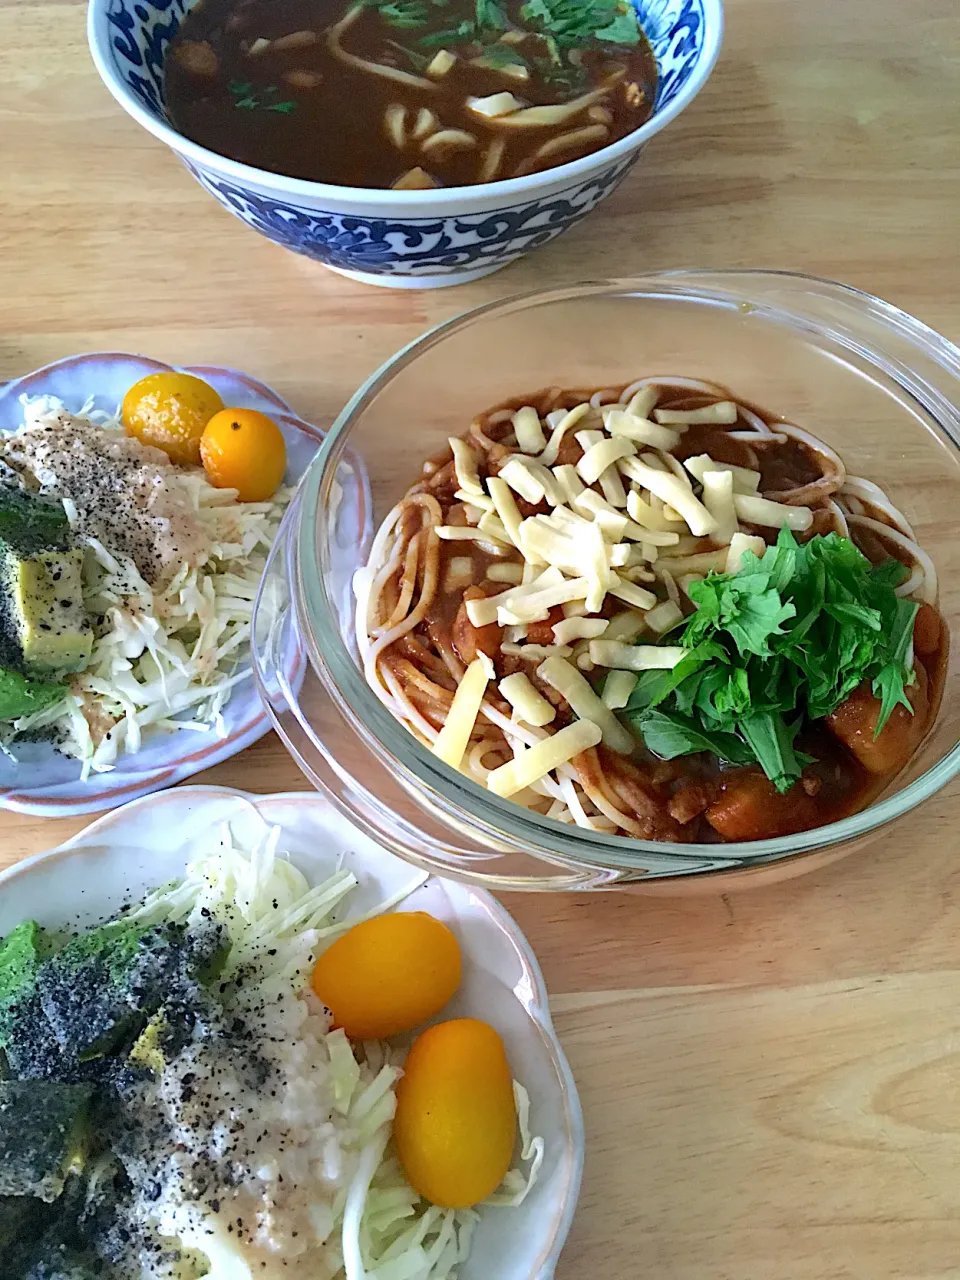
x=170, y=571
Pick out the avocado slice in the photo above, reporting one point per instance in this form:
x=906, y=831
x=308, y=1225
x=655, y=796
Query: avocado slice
x=21, y=696
x=44, y=627
x=100, y=990
x=44, y=1135
x=31, y=523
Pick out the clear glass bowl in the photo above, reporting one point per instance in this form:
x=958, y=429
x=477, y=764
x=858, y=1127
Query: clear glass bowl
x=879, y=386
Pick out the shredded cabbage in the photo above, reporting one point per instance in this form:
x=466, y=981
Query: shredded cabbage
x=375, y=1227
x=164, y=659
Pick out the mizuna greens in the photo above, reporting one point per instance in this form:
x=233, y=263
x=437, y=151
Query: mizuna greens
x=783, y=641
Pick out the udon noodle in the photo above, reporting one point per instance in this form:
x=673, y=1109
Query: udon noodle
x=555, y=544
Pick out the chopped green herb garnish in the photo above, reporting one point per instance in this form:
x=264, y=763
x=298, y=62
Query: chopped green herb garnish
x=248, y=100
x=574, y=22
x=490, y=17
x=404, y=13
x=451, y=35
x=497, y=56
x=623, y=29
x=785, y=640
x=562, y=75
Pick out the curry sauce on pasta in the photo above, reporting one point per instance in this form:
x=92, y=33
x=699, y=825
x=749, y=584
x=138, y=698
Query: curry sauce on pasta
x=656, y=611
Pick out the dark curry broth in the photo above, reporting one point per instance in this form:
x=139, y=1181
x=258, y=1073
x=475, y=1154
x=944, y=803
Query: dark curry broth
x=292, y=107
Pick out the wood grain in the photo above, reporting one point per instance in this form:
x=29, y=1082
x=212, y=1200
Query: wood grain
x=769, y=1078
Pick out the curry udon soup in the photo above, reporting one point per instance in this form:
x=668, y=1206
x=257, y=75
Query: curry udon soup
x=409, y=93
x=656, y=612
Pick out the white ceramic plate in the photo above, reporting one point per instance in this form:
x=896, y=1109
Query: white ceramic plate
x=47, y=784
x=150, y=841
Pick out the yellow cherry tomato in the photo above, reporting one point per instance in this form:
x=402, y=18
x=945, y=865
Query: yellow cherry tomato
x=389, y=974
x=169, y=411
x=456, y=1121
x=243, y=449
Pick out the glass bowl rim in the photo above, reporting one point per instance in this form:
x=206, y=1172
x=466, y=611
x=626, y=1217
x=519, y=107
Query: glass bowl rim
x=511, y=824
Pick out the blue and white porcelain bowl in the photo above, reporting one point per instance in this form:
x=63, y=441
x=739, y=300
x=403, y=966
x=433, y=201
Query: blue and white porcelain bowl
x=403, y=239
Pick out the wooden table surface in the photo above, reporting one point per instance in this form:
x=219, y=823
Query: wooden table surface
x=771, y=1080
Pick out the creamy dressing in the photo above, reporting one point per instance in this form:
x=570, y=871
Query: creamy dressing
x=236, y=1151
x=124, y=494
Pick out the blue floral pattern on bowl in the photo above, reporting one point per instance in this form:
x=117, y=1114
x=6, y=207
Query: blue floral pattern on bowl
x=415, y=246
x=459, y=245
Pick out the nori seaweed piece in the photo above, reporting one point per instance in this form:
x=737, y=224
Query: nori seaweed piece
x=44, y=1135
x=26, y=1041
x=100, y=990
x=29, y=1049
x=56, y=1259
x=19, y=1216
x=21, y=954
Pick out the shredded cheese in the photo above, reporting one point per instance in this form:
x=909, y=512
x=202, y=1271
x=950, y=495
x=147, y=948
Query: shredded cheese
x=617, y=688
x=529, y=432
x=586, y=703
x=536, y=762
x=507, y=509
x=630, y=593
x=612, y=488
x=571, y=486
x=535, y=606
x=545, y=478
x=744, y=480
x=612, y=524
x=578, y=628
x=474, y=501
x=636, y=657
x=561, y=422
x=536, y=652
x=529, y=705
x=443, y=61
x=624, y=626
x=602, y=455
x=718, y=499
x=483, y=611
x=739, y=544
x=465, y=465
x=506, y=571
x=723, y=413
x=669, y=489
x=492, y=524
x=664, y=617
x=452, y=740
x=643, y=401
x=522, y=480
x=776, y=515
x=494, y=105
x=623, y=423
x=647, y=515
x=464, y=533
x=702, y=562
